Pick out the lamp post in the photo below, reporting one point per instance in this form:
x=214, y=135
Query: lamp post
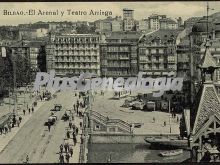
x=169, y=117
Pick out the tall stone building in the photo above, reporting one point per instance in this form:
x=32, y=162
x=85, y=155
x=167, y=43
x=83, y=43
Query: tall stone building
x=183, y=67
x=157, y=52
x=128, y=19
x=72, y=54
x=154, y=21
x=119, y=55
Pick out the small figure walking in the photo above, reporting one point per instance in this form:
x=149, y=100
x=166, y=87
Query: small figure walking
x=49, y=127
x=67, y=158
x=71, y=151
x=61, y=158
x=68, y=134
x=24, y=111
x=27, y=159
x=153, y=119
x=70, y=124
x=77, y=130
x=61, y=148
x=29, y=110
x=164, y=124
x=32, y=109
x=20, y=118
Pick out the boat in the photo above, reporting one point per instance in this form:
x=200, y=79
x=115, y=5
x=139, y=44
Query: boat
x=171, y=153
x=167, y=142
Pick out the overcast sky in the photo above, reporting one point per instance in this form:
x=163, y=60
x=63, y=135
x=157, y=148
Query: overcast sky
x=141, y=10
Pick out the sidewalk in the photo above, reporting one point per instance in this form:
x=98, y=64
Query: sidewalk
x=6, y=138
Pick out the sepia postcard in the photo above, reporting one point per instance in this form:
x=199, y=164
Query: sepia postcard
x=109, y=82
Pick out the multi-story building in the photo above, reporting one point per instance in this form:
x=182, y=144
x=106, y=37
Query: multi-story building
x=117, y=25
x=154, y=21
x=183, y=67
x=157, y=52
x=109, y=24
x=119, y=54
x=168, y=23
x=29, y=55
x=142, y=25
x=128, y=19
x=72, y=54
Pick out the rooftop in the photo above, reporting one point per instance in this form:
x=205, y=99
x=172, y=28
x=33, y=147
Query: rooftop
x=124, y=35
x=165, y=35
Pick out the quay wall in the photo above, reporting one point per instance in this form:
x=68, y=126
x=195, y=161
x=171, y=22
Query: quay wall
x=124, y=138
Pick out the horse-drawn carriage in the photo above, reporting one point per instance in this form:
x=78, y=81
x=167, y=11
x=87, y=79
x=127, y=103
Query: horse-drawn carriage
x=66, y=116
x=57, y=107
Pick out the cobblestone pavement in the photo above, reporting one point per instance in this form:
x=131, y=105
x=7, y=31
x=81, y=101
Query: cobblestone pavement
x=112, y=108
x=34, y=139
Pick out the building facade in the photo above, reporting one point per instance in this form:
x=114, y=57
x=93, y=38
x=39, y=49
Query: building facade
x=128, y=19
x=73, y=54
x=183, y=68
x=157, y=53
x=167, y=23
x=119, y=55
x=154, y=21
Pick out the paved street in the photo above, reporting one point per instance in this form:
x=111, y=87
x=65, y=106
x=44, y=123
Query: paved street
x=112, y=108
x=34, y=139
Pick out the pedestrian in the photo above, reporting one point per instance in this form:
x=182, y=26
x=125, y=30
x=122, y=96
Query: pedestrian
x=74, y=107
x=20, y=118
x=18, y=123
x=6, y=129
x=32, y=109
x=29, y=110
x=80, y=124
x=1, y=130
x=27, y=159
x=74, y=140
x=153, y=119
x=9, y=127
x=164, y=124
x=68, y=134
x=81, y=138
x=61, y=158
x=77, y=130
x=66, y=146
x=77, y=111
x=49, y=126
x=67, y=157
x=72, y=117
x=70, y=124
x=71, y=151
x=24, y=111
x=61, y=148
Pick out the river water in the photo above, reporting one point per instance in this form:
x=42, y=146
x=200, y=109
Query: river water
x=129, y=153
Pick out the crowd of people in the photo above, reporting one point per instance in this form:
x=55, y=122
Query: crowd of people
x=13, y=121
x=66, y=149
